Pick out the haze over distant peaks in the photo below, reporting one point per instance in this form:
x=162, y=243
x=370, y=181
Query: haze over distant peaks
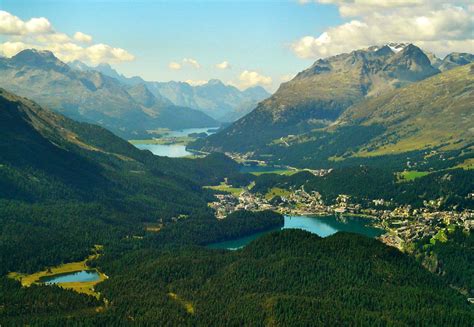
x=89, y=95
x=222, y=102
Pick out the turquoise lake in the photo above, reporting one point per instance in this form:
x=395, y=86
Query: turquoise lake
x=174, y=150
x=320, y=225
x=166, y=150
x=78, y=276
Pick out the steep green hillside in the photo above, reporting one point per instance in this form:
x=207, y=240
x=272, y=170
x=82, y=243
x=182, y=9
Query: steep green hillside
x=55, y=172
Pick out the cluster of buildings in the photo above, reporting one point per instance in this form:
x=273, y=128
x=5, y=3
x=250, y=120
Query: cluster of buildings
x=296, y=202
x=228, y=203
x=403, y=224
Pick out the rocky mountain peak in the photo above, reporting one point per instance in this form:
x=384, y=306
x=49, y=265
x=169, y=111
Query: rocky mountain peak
x=397, y=46
x=410, y=64
x=39, y=59
x=455, y=59
x=79, y=65
x=214, y=82
x=383, y=51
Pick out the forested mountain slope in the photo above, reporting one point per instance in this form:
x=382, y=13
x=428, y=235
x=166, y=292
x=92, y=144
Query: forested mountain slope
x=69, y=172
x=289, y=278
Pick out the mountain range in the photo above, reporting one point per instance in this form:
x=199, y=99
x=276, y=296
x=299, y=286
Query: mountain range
x=387, y=82
x=93, y=97
x=225, y=103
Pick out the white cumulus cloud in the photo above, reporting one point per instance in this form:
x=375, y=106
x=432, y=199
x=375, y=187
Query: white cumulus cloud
x=103, y=52
x=435, y=26
x=39, y=33
x=82, y=37
x=286, y=77
x=192, y=62
x=9, y=49
x=50, y=38
x=223, y=65
x=196, y=82
x=13, y=25
x=174, y=65
x=252, y=78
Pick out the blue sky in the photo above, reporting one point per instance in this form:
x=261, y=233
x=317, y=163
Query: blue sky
x=250, y=35
x=259, y=42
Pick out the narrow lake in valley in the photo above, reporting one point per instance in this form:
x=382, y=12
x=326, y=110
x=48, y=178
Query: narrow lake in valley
x=166, y=150
x=174, y=150
x=320, y=225
x=77, y=276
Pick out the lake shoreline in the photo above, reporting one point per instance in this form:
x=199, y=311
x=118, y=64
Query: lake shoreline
x=322, y=226
x=173, y=144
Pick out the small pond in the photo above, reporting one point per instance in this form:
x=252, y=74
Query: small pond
x=76, y=276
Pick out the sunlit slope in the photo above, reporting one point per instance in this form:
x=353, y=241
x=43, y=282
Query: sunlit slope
x=436, y=112
x=317, y=96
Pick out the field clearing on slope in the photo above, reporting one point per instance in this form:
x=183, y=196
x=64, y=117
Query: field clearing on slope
x=223, y=187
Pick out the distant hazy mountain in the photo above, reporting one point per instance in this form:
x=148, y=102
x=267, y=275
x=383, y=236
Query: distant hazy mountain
x=88, y=95
x=454, y=60
x=223, y=102
x=317, y=96
x=220, y=101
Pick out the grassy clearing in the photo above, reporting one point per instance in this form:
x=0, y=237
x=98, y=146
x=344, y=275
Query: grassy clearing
x=276, y=191
x=159, y=131
x=418, y=142
x=186, y=304
x=287, y=172
x=71, y=267
x=153, y=227
x=467, y=164
x=409, y=175
x=439, y=237
x=223, y=187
